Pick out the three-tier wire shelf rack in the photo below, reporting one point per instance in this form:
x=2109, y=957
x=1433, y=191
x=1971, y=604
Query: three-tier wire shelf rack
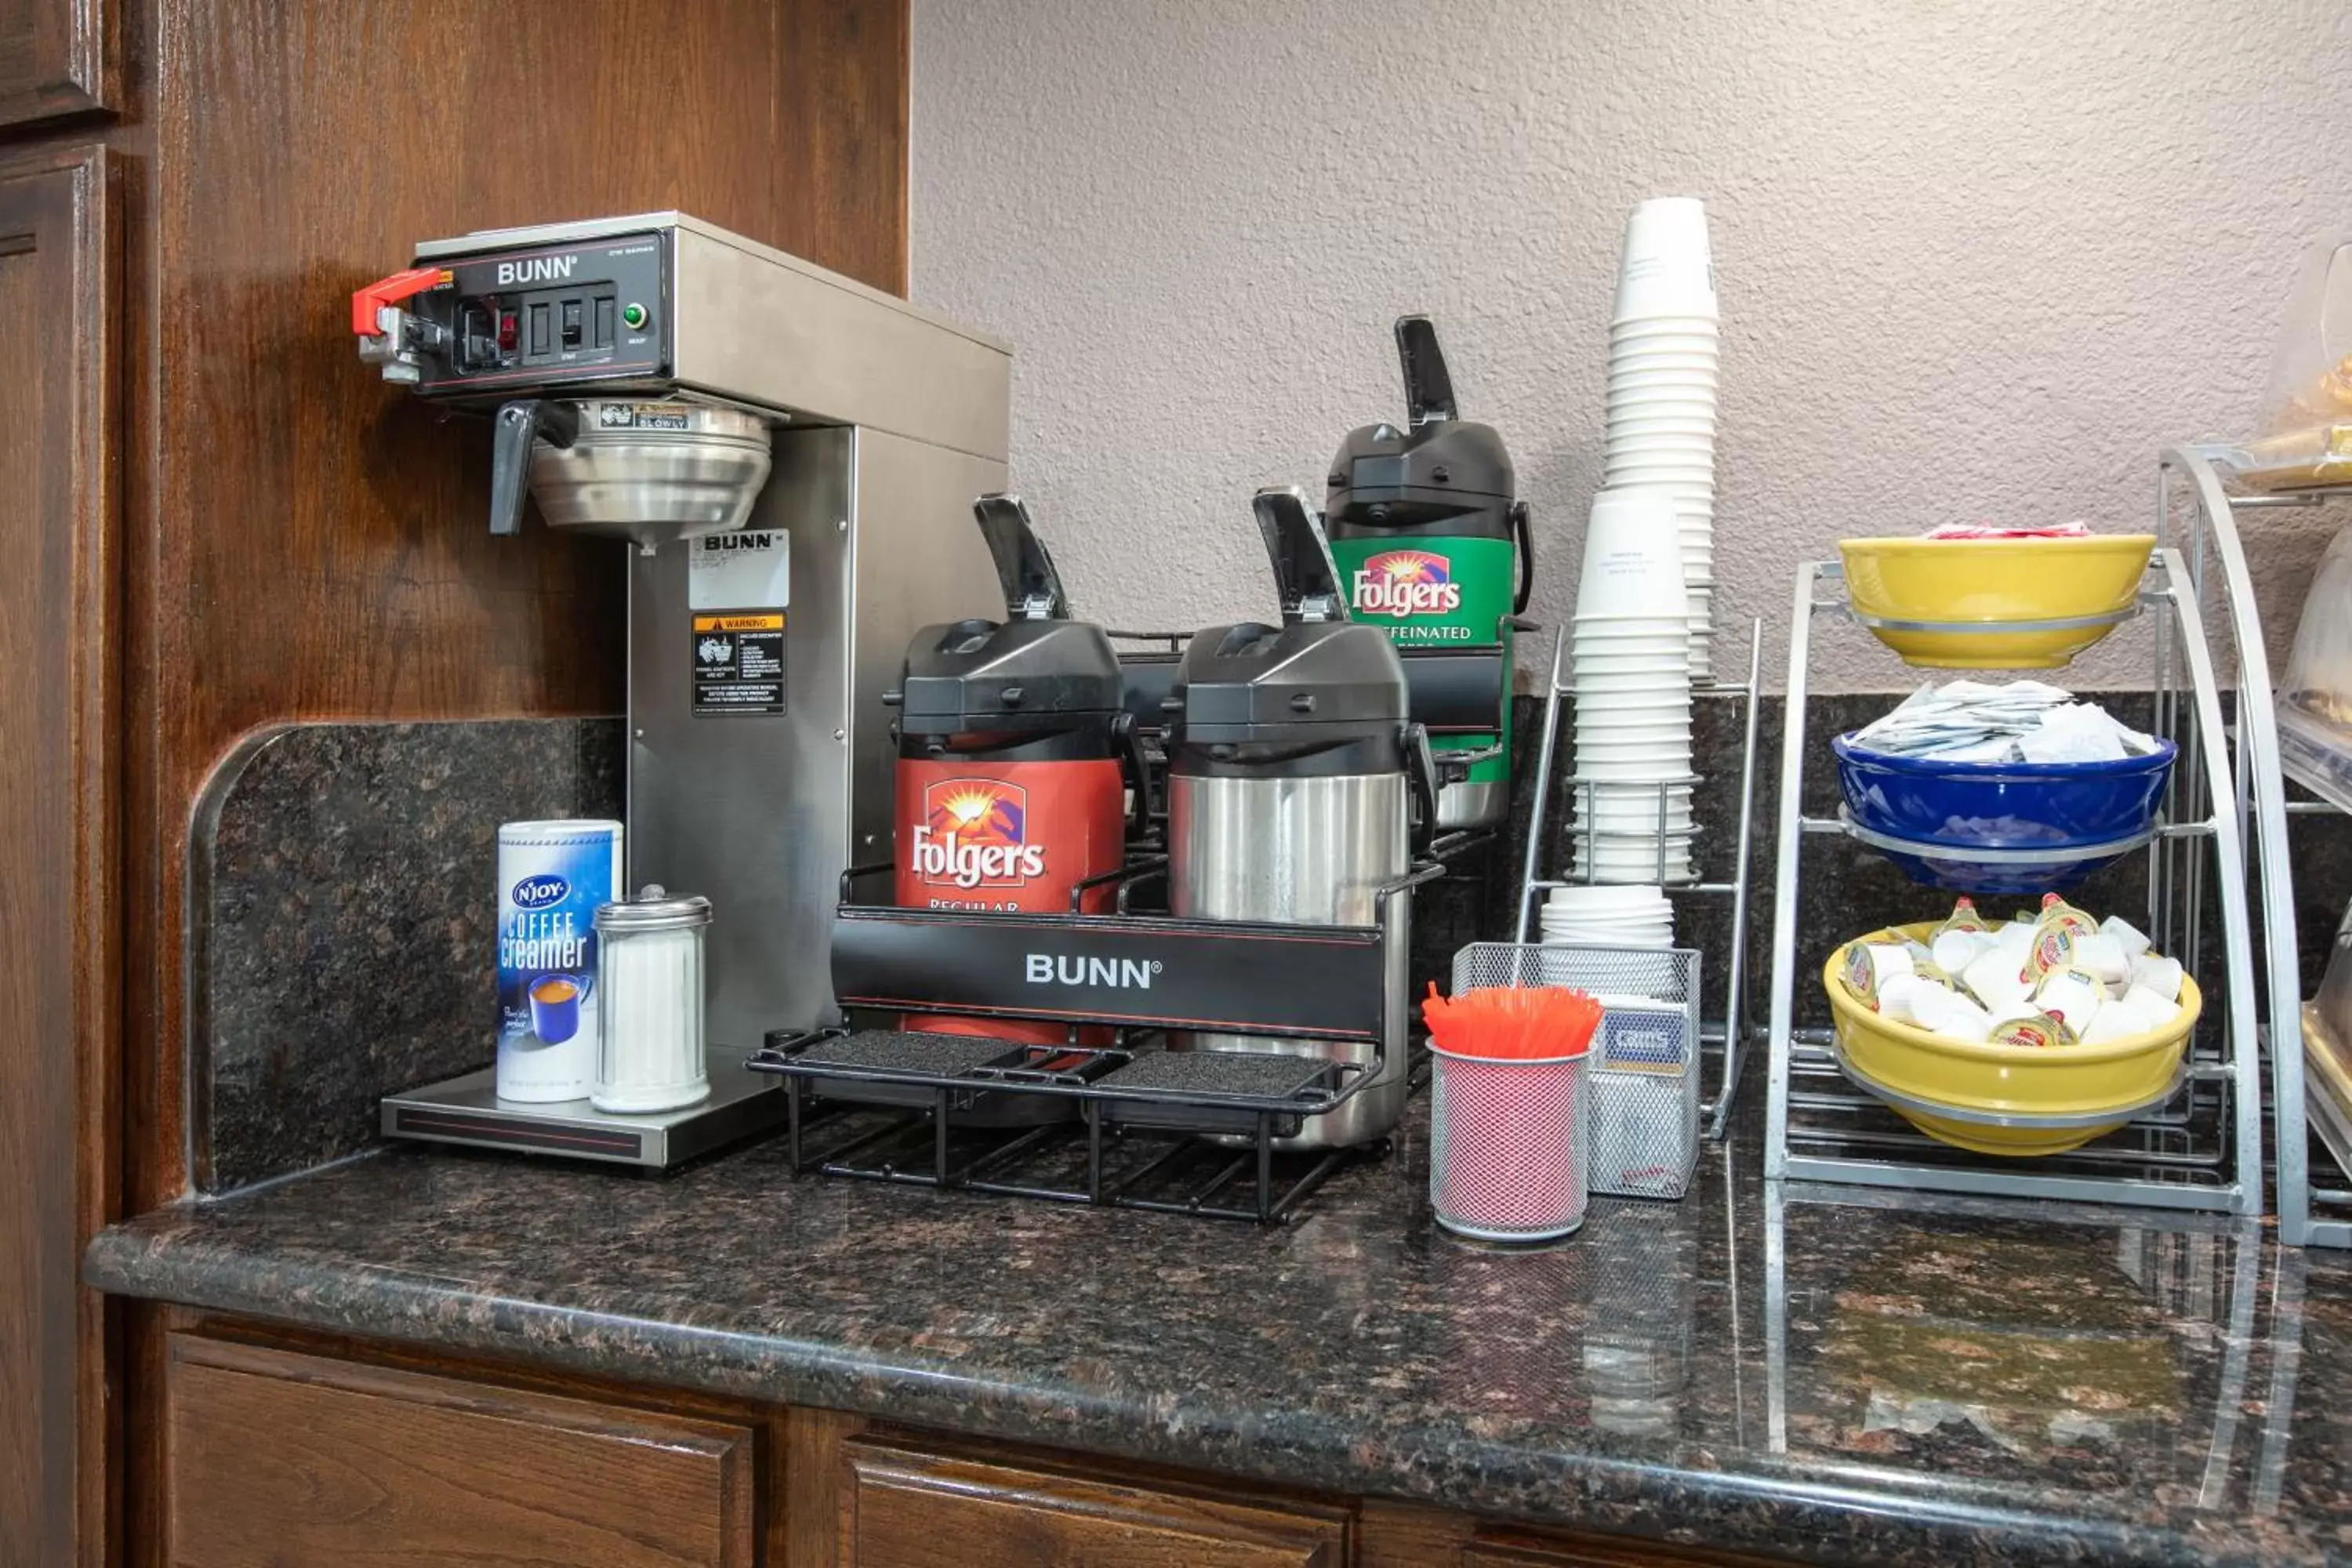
x=2193, y=489
x=2201, y=1148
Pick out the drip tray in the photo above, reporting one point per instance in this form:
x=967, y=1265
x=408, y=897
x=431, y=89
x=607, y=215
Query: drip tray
x=1114, y=1127
x=467, y=1110
x=1209, y=1077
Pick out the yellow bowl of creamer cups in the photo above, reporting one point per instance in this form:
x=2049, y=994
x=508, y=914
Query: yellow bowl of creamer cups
x=2007, y=1100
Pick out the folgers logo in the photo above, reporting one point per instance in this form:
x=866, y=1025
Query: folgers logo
x=974, y=833
x=1405, y=582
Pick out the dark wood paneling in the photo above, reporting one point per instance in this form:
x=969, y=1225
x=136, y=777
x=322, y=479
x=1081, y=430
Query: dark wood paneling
x=59, y=58
x=841, y=148
x=303, y=1462
x=320, y=548
x=808, y=1536
x=1497, y=1548
x=60, y=296
x=902, y=1507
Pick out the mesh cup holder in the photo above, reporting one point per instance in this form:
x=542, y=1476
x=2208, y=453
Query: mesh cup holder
x=1638, y=1131
x=1506, y=1146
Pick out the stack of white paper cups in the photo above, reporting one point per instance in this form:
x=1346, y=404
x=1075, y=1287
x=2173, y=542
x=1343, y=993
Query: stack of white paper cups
x=1662, y=388
x=1630, y=650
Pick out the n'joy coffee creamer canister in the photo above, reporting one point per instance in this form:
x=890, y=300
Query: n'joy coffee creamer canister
x=551, y=877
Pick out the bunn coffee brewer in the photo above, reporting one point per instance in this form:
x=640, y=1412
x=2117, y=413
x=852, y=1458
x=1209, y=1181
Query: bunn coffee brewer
x=1015, y=756
x=793, y=455
x=1293, y=776
x=1432, y=545
x=1225, y=1019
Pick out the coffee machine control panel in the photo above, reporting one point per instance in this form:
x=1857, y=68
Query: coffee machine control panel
x=486, y=324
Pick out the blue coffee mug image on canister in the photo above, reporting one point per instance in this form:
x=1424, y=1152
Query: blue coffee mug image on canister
x=555, y=1007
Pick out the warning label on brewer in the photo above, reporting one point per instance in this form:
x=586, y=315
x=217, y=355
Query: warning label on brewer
x=739, y=663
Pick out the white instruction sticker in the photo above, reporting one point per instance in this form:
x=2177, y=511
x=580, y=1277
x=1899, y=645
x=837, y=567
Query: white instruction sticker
x=740, y=571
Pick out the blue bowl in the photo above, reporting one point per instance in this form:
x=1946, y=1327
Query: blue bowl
x=2002, y=805
x=2027, y=872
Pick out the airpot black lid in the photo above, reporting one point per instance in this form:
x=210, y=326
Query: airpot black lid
x=1315, y=677
x=1249, y=684
x=1434, y=467
x=1036, y=669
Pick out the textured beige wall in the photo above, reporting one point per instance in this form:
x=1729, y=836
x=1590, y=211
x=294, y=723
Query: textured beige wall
x=1978, y=258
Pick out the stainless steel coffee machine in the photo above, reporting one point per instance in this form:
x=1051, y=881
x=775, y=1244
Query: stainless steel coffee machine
x=794, y=456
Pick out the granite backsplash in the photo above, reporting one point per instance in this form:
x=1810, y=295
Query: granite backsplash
x=341, y=922
x=342, y=908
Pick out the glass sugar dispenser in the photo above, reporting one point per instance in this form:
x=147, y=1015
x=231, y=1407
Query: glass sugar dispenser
x=650, y=1057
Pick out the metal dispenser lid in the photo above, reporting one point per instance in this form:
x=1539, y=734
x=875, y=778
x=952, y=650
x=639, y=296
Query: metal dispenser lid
x=653, y=908
x=1037, y=669
x=1316, y=677
x=1437, y=469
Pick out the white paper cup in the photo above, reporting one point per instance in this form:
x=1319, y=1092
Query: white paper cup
x=1691, y=468
x=1635, y=328
x=1662, y=359
x=1611, y=626
x=1626, y=729
x=1607, y=671
x=1688, y=382
x=1634, y=764
x=1632, y=563
x=1630, y=851
x=1598, y=795
x=1660, y=403
x=1643, y=699
x=1667, y=268
x=1611, y=899
x=1661, y=425
x=1636, y=865
x=1672, y=442
x=1648, y=473
x=1663, y=337
x=1628, y=642
x=1630, y=812
x=1626, y=808
x=1672, y=752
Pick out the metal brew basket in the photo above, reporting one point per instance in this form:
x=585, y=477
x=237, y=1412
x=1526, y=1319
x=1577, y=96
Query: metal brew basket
x=1642, y=1078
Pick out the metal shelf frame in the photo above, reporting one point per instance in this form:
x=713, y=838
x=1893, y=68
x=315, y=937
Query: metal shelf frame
x=2190, y=484
x=1730, y=1034
x=2201, y=1150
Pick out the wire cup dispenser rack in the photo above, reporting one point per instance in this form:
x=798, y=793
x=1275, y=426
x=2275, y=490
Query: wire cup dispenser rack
x=1726, y=1034
x=2191, y=484
x=2200, y=1148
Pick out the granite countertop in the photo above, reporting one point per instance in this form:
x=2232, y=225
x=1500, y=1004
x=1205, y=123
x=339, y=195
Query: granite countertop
x=1823, y=1372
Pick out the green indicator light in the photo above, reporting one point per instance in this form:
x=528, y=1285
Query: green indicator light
x=633, y=317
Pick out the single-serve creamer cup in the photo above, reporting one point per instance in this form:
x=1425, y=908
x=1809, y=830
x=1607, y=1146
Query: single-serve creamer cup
x=1667, y=269
x=551, y=877
x=1632, y=562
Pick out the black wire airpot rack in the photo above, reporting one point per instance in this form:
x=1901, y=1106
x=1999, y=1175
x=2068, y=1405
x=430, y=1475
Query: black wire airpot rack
x=1109, y=1116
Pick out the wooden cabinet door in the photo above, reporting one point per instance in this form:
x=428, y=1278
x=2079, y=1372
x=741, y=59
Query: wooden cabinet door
x=58, y=57
x=909, y=1507
x=1505, y=1548
x=302, y=1462
x=61, y=288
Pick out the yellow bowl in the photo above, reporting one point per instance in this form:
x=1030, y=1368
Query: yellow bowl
x=2069, y=1081
x=1986, y=587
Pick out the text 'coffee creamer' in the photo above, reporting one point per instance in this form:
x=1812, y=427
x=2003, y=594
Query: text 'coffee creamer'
x=551, y=877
